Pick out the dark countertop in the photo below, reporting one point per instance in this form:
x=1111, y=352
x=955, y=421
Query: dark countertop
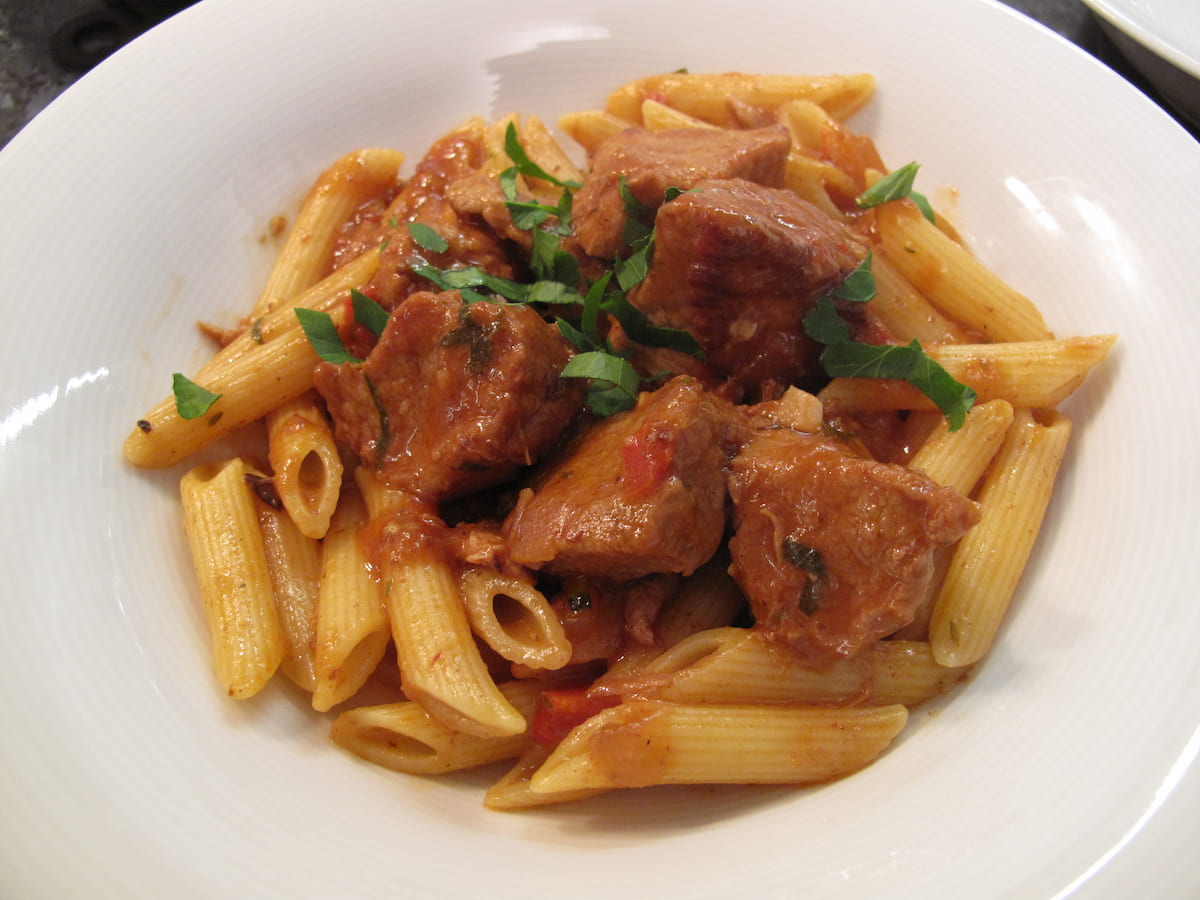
x=31, y=75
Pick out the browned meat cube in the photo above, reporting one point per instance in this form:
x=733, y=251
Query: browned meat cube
x=834, y=551
x=454, y=397
x=738, y=265
x=638, y=493
x=423, y=199
x=652, y=161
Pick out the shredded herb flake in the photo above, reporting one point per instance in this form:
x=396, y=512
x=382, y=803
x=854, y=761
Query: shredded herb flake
x=896, y=185
x=323, y=335
x=428, y=239
x=846, y=358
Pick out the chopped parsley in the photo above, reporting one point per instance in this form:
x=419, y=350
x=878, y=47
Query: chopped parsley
x=191, y=400
x=896, y=186
x=843, y=357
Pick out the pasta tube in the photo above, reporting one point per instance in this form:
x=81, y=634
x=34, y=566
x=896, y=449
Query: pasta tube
x=231, y=571
x=646, y=742
x=352, y=626
x=339, y=191
x=990, y=558
x=514, y=619
x=306, y=464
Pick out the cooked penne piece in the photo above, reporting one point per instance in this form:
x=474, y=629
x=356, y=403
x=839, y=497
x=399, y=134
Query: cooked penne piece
x=647, y=742
x=324, y=296
x=958, y=459
x=1032, y=374
x=232, y=573
x=989, y=560
x=405, y=737
x=512, y=790
x=269, y=365
x=590, y=128
x=953, y=280
x=336, y=195
x=305, y=462
x=352, y=625
x=440, y=664
x=514, y=618
x=545, y=150
x=735, y=665
x=906, y=313
x=658, y=116
x=294, y=564
x=707, y=96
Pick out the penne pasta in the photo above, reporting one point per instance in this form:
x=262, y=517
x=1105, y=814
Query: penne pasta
x=512, y=790
x=988, y=562
x=951, y=279
x=232, y=573
x=406, y=738
x=440, y=664
x=513, y=618
x=591, y=128
x=735, y=666
x=708, y=97
x=352, y=625
x=647, y=742
x=906, y=313
x=260, y=370
x=294, y=565
x=959, y=458
x=338, y=193
x=305, y=461
x=1030, y=374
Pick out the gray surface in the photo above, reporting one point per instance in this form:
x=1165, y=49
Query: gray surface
x=30, y=78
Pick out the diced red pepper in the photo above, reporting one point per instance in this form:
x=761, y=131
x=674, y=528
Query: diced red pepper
x=646, y=459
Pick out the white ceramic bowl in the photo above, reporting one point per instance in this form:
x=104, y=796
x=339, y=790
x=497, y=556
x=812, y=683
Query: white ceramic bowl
x=1162, y=40
x=134, y=205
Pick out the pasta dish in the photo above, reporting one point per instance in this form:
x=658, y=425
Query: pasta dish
x=700, y=451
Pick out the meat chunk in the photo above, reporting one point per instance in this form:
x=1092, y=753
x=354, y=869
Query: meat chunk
x=738, y=265
x=652, y=161
x=638, y=493
x=834, y=551
x=454, y=397
x=423, y=199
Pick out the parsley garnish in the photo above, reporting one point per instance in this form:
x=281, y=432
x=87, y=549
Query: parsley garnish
x=846, y=358
x=428, y=239
x=323, y=335
x=896, y=186
x=191, y=400
x=613, y=381
x=368, y=313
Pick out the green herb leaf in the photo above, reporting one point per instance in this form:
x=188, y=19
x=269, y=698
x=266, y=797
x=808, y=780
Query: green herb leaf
x=922, y=203
x=907, y=362
x=640, y=329
x=323, y=335
x=574, y=336
x=191, y=400
x=618, y=380
x=428, y=239
x=368, y=313
x=896, y=186
x=639, y=217
x=824, y=325
x=525, y=165
x=859, y=285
